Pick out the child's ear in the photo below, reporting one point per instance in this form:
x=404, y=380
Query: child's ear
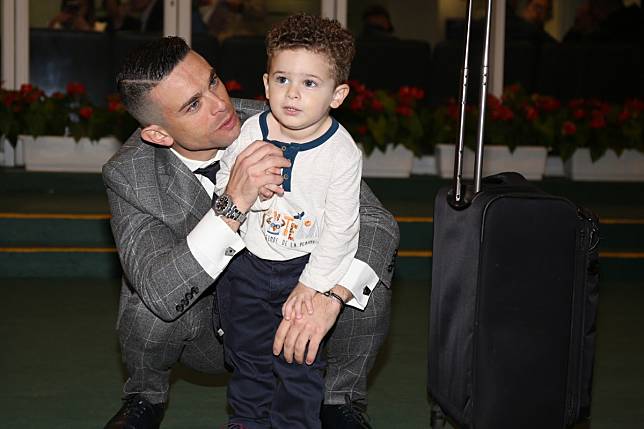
x=339, y=94
x=156, y=134
x=265, y=78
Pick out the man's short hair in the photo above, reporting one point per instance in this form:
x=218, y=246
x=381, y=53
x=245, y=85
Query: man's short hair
x=143, y=69
x=319, y=35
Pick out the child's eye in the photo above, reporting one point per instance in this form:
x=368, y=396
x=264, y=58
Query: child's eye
x=310, y=83
x=281, y=79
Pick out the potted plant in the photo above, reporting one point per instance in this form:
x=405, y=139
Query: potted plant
x=390, y=126
x=64, y=131
x=602, y=141
x=518, y=131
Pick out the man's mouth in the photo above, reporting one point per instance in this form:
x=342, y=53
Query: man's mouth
x=228, y=124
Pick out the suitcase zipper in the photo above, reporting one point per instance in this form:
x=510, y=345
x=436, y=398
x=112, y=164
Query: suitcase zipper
x=588, y=241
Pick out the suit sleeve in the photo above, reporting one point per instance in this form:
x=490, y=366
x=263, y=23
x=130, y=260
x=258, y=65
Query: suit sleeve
x=379, y=236
x=159, y=266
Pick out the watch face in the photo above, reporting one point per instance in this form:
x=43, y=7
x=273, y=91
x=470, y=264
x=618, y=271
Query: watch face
x=222, y=203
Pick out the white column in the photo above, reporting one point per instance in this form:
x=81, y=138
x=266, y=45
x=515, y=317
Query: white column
x=497, y=48
x=15, y=43
x=170, y=17
x=22, y=42
x=335, y=9
x=8, y=44
x=177, y=19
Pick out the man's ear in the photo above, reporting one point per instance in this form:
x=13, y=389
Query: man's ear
x=265, y=78
x=156, y=134
x=339, y=94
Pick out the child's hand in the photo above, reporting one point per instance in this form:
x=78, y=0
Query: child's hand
x=301, y=295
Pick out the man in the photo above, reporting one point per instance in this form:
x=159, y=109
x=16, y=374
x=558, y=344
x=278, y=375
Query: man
x=174, y=239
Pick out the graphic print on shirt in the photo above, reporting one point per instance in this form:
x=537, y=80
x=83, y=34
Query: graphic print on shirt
x=293, y=229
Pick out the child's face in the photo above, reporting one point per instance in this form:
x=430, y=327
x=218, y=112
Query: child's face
x=301, y=89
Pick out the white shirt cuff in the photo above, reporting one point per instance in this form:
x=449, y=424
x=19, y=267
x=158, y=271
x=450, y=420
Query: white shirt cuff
x=213, y=244
x=360, y=280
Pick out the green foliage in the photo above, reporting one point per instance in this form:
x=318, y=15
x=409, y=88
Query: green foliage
x=30, y=111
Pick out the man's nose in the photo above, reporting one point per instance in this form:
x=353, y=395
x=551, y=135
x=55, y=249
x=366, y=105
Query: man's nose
x=216, y=103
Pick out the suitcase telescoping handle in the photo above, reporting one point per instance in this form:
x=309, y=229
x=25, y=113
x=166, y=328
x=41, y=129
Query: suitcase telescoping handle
x=457, y=197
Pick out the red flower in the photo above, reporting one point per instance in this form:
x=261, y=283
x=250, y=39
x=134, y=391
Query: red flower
x=577, y=103
x=115, y=106
x=624, y=116
x=75, y=88
x=635, y=104
x=58, y=95
x=26, y=88
x=233, y=85
x=417, y=93
x=85, y=112
x=452, y=110
x=579, y=113
x=357, y=103
x=357, y=86
x=598, y=120
x=377, y=105
x=493, y=102
x=513, y=89
x=548, y=104
x=568, y=128
x=531, y=114
x=404, y=111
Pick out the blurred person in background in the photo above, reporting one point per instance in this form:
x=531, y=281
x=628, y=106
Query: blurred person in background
x=376, y=23
x=227, y=18
x=74, y=15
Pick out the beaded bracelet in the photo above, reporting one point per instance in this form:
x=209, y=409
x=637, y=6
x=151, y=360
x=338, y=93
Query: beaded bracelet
x=336, y=297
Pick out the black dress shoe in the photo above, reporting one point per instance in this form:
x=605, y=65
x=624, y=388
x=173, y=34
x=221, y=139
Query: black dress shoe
x=344, y=416
x=137, y=413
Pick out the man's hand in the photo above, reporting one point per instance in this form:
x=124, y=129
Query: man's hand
x=293, y=335
x=257, y=166
x=302, y=295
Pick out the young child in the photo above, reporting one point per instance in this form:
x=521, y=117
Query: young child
x=301, y=242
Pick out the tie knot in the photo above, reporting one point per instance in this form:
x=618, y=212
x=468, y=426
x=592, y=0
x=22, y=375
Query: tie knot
x=210, y=171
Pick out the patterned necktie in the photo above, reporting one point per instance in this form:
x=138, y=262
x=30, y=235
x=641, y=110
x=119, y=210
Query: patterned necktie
x=210, y=171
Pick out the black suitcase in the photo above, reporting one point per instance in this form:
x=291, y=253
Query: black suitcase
x=513, y=300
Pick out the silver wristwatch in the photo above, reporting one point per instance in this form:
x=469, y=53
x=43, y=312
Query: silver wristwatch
x=224, y=206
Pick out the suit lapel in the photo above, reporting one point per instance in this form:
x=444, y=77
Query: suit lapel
x=181, y=184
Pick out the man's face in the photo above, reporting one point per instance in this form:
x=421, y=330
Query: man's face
x=300, y=89
x=195, y=109
x=537, y=11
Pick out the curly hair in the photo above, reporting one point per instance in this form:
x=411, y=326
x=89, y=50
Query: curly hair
x=319, y=35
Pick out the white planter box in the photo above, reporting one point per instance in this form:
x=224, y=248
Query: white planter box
x=13, y=156
x=55, y=153
x=629, y=167
x=424, y=165
x=395, y=162
x=530, y=161
x=554, y=167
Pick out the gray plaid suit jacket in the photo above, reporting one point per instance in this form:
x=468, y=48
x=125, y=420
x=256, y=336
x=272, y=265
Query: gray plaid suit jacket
x=156, y=201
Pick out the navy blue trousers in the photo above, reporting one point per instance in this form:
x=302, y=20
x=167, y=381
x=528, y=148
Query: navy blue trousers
x=265, y=391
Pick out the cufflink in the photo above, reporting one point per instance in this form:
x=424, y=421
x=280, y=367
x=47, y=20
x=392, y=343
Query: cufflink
x=220, y=332
x=366, y=291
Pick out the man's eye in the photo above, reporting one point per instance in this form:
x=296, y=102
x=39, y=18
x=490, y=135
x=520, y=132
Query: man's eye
x=214, y=81
x=193, y=106
x=310, y=83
